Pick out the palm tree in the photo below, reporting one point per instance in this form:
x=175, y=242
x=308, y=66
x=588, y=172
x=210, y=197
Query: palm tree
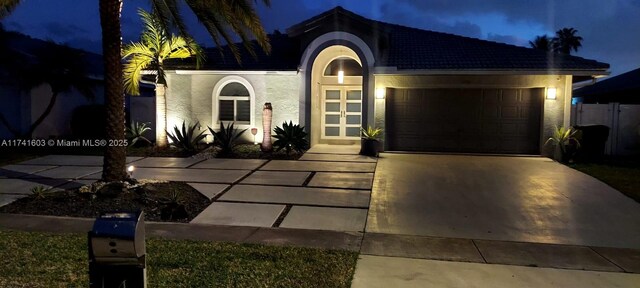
x=221, y=18
x=63, y=69
x=155, y=46
x=567, y=40
x=543, y=43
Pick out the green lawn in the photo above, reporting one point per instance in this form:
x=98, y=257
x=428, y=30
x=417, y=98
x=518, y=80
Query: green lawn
x=60, y=260
x=624, y=178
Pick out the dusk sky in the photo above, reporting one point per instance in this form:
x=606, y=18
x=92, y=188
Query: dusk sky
x=610, y=28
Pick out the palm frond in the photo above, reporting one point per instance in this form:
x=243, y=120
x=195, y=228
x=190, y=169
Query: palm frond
x=7, y=6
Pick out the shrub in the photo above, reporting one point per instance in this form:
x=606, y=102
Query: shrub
x=135, y=133
x=370, y=133
x=186, y=139
x=290, y=137
x=38, y=192
x=226, y=138
x=563, y=138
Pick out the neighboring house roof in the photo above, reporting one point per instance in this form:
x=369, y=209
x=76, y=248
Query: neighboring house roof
x=406, y=48
x=622, y=88
x=26, y=46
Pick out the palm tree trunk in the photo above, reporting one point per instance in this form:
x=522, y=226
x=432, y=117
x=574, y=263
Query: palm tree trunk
x=161, y=116
x=4, y=121
x=46, y=112
x=114, y=156
x=267, y=112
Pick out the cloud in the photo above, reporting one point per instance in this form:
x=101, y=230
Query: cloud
x=61, y=30
x=509, y=39
x=405, y=15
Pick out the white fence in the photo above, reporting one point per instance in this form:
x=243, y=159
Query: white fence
x=622, y=120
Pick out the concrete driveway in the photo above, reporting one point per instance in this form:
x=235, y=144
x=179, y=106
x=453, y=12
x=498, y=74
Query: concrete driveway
x=528, y=199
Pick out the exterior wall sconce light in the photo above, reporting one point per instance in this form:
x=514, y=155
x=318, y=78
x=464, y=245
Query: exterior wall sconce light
x=340, y=77
x=380, y=93
x=552, y=93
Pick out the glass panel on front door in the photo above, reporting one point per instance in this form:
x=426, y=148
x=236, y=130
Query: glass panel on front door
x=341, y=112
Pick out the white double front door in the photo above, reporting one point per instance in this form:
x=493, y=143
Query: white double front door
x=341, y=112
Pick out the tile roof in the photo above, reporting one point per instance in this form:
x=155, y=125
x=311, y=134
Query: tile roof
x=627, y=83
x=408, y=49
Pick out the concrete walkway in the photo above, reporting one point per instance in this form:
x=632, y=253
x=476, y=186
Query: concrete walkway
x=329, y=189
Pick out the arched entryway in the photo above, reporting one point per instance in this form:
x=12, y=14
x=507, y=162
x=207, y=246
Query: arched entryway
x=336, y=96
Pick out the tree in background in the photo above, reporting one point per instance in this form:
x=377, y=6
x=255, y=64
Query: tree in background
x=564, y=41
x=155, y=46
x=543, y=43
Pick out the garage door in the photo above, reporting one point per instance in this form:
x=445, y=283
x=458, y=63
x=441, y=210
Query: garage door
x=464, y=120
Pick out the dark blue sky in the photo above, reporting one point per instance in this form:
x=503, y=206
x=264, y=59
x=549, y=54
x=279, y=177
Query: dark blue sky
x=610, y=28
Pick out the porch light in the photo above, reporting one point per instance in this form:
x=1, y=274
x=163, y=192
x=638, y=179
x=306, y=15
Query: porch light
x=380, y=93
x=552, y=93
x=340, y=77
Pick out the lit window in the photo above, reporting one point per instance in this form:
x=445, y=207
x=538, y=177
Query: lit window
x=234, y=103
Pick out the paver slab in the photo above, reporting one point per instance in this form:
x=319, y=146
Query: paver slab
x=191, y=175
x=325, y=218
x=338, y=158
x=277, y=178
x=209, y=190
x=335, y=149
x=307, y=238
x=237, y=164
x=73, y=184
x=378, y=271
x=23, y=186
x=449, y=249
x=342, y=180
x=73, y=160
x=543, y=255
x=66, y=172
x=8, y=198
x=240, y=214
x=17, y=171
x=627, y=259
x=321, y=166
x=298, y=195
x=166, y=162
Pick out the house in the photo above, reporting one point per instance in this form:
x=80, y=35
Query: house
x=21, y=108
x=429, y=91
x=624, y=89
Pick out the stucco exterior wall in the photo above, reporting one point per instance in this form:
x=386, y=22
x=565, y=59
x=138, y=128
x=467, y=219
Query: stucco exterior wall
x=556, y=112
x=191, y=97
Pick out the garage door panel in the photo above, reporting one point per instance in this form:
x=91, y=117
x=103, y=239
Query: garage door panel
x=464, y=120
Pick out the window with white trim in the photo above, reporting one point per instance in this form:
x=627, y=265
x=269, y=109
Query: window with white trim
x=234, y=103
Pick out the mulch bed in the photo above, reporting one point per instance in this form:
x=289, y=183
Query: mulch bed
x=170, y=202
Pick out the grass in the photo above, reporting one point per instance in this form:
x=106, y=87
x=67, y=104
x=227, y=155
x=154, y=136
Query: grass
x=624, y=178
x=60, y=260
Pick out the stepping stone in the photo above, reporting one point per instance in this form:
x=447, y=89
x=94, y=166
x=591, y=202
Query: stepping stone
x=239, y=164
x=342, y=180
x=191, y=175
x=335, y=149
x=209, y=190
x=292, y=165
x=240, y=214
x=297, y=195
x=543, y=255
x=72, y=160
x=325, y=218
x=66, y=172
x=17, y=171
x=338, y=158
x=277, y=178
x=449, y=249
x=23, y=186
x=166, y=162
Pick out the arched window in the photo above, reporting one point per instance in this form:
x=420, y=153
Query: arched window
x=234, y=103
x=349, y=66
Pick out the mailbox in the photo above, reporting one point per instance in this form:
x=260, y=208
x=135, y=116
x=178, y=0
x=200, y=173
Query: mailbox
x=117, y=253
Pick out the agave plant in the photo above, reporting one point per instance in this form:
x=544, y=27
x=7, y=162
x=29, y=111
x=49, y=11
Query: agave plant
x=562, y=138
x=186, y=139
x=370, y=133
x=135, y=132
x=226, y=138
x=290, y=137
x=38, y=192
